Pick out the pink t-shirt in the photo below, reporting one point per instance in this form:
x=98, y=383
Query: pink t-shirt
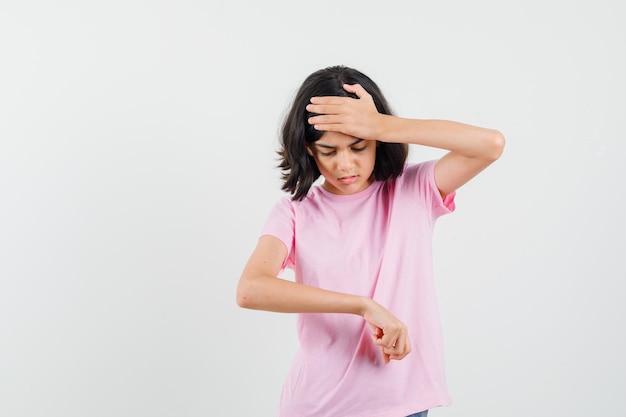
x=376, y=243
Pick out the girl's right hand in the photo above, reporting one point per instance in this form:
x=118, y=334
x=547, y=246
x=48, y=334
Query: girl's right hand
x=390, y=333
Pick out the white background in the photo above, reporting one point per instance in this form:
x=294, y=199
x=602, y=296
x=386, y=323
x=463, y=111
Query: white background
x=137, y=164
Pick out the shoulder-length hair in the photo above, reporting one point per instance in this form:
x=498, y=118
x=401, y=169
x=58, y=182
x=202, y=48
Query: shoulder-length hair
x=299, y=170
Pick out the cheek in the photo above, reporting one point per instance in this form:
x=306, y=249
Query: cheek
x=322, y=166
x=371, y=157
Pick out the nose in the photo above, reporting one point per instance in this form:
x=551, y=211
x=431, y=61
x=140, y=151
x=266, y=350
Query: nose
x=345, y=161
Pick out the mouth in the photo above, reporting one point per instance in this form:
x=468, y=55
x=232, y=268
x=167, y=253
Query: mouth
x=351, y=179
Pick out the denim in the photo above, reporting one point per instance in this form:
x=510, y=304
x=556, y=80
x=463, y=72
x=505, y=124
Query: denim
x=422, y=414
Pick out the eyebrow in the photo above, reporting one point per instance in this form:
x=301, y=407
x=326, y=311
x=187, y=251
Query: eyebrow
x=322, y=145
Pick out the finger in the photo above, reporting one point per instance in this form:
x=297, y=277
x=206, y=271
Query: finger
x=401, y=353
x=399, y=356
x=334, y=100
x=376, y=337
x=324, y=108
x=386, y=341
x=325, y=119
x=329, y=127
x=356, y=89
x=386, y=356
x=390, y=350
x=397, y=346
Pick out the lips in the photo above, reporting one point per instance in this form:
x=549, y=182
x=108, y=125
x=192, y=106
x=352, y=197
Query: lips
x=348, y=180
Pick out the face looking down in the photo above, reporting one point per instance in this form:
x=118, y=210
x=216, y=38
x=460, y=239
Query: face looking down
x=345, y=162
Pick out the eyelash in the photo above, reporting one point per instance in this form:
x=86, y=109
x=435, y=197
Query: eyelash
x=333, y=152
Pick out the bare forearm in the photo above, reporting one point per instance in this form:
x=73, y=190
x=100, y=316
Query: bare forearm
x=463, y=139
x=260, y=289
x=279, y=295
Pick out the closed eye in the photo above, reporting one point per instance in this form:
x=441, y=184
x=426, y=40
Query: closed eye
x=359, y=149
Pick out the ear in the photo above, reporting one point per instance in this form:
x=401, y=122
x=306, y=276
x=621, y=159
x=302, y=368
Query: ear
x=308, y=150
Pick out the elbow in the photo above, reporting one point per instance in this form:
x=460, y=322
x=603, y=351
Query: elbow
x=496, y=146
x=243, y=298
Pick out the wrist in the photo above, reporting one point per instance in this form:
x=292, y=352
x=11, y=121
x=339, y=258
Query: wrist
x=385, y=128
x=365, y=304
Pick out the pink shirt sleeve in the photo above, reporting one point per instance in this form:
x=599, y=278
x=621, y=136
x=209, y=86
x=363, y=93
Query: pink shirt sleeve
x=281, y=224
x=419, y=180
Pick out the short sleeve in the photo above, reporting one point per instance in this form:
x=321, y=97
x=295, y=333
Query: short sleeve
x=280, y=223
x=419, y=179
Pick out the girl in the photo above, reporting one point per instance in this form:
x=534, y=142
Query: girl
x=360, y=247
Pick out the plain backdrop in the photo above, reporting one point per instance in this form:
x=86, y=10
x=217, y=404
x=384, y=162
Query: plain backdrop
x=137, y=164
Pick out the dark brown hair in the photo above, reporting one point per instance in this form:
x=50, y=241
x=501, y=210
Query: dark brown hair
x=299, y=169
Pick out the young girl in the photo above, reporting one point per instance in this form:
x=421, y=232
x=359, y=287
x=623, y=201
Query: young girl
x=360, y=247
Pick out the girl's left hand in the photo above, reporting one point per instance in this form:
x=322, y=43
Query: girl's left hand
x=353, y=117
